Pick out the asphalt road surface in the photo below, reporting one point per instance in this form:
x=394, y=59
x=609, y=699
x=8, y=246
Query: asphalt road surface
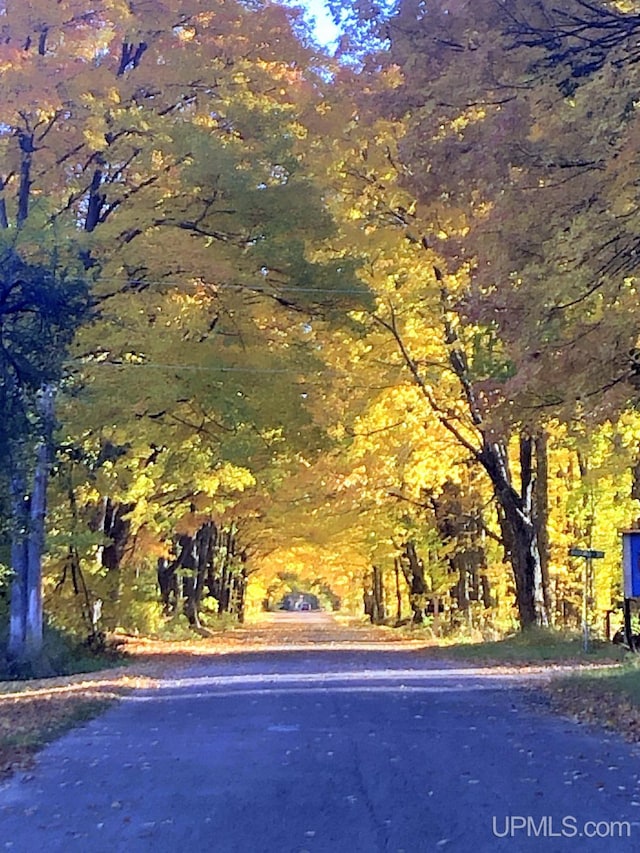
x=316, y=741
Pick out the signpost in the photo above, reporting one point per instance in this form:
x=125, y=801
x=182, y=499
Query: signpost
x=589, y=555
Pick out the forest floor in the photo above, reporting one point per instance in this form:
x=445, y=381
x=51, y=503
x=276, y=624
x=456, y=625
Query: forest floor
x=596, y=689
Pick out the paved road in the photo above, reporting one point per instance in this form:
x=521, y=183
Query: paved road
x=325, y=747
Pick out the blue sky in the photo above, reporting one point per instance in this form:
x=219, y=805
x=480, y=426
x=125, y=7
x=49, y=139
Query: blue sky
x=325, y=29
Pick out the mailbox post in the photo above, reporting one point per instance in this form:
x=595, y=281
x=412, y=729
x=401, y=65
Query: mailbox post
x=589, y=555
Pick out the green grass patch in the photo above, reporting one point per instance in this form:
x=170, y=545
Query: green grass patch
x=622, y=681
x=534, y=646
x=608, y=697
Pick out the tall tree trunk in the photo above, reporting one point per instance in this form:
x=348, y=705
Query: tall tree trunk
x=516, y=511
x=413, y=569
x=168, y=583
x=542, y=516
x=396, y=572
x=19, y=562
x=241, y=593
x=188, y=560
x=378, y=596
x=112, y=521
x=485, y=586
x=461, y=591
x=26, y=143
x=226, y=574
x=28, y=536
x=516, y=514
x=374, y=604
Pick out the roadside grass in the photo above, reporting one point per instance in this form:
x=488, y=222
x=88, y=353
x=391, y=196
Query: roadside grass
x=535, y=646
x=608, y=697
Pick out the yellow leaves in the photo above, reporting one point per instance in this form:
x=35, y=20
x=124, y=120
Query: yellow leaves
x=205, y=120
x=186, y=34
x=158, y=160
x=11, y=58
x=458, y=124
x=225, y=476
x=94, y=133
x=393, y=76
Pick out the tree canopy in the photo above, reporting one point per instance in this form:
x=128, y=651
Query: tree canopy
x=363, y=322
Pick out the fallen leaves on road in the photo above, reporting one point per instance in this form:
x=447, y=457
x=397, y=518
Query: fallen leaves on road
x=588, y=703
x=35, y=712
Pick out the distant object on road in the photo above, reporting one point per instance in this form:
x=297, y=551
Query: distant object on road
x=299, y=601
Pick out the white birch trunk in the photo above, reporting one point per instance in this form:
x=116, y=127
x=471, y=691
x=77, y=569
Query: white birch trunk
x=37, y=519
x=19, y=559
x=28, y=538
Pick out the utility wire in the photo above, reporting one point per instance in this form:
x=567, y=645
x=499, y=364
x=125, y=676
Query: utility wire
x=196, y=367
x=240, y=287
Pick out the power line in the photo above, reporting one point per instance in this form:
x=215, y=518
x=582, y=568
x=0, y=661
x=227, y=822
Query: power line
x=195, y=367
x=240, y=287
x=198, y=368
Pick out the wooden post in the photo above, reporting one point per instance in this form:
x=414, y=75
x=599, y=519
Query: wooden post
x=627, y=623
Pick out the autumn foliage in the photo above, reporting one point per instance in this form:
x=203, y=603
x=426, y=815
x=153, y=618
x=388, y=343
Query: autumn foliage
x=362, y=325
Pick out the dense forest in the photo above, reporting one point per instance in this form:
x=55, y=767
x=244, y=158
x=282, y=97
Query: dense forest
x=357, y=322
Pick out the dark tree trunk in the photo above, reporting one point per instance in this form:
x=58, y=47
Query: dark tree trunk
x=95, y=203
x=485, y=587
x=241, y=594
x=206, y=539
x=461, y=591
x=111, y=520
x=168, y=583
x=516, y=515
x=374, y=604
x=413, y=569
x=195, y=559
x=26, y=144
x=367, y=596
x=516, y=509
x=206, y=564
x=380, y=613
x=117, y=527
x=396, y=572
x=226, y=574
x=130, y=56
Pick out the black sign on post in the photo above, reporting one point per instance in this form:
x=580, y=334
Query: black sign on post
x=588, y=554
